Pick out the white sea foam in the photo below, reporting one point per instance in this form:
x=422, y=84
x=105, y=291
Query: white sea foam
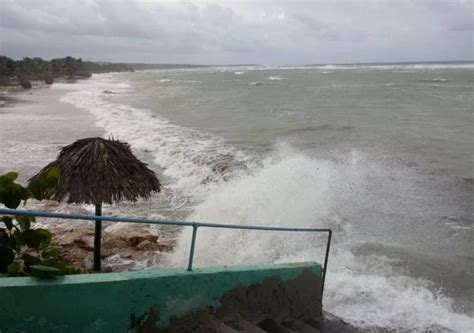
x=366, y=291
x=397, y=67
x=275, y=78
x=401, y=66
x=239, y=73
x=439, y=79
x=189, y=157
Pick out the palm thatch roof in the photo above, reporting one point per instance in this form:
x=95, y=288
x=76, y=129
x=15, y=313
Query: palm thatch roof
x=97, y=170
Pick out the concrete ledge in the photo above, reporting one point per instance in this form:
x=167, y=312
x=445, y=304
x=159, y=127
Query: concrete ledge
x=121, y=302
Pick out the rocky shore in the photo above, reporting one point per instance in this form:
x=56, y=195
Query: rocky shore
x=133, y=247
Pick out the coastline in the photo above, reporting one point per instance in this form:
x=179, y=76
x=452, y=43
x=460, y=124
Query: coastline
x=35, y=121
x=34, y=125
x=48, y=110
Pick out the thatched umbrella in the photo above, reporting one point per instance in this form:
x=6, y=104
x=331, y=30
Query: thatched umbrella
x=96, y=171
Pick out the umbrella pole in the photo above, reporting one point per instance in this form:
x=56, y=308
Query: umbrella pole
x=97, y=238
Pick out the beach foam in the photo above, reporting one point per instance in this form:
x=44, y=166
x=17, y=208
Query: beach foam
x=187, y=156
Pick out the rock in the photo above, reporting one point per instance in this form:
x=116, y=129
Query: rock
x=25, y=84
x=136, y=238
x=83, y=74
x=122, y=249
x=48, y=80
x=146, y=245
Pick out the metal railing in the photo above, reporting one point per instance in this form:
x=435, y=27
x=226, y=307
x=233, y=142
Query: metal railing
x=194, y=225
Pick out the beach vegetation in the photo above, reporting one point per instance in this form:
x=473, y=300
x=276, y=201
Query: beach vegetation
x=25, y=250
x=18, y=72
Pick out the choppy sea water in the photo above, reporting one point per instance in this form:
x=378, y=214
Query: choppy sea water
x=381, y=154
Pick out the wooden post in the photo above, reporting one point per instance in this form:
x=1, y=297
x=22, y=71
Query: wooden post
x=97, y=238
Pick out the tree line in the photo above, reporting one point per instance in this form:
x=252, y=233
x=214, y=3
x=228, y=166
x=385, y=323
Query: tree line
x=38, y=69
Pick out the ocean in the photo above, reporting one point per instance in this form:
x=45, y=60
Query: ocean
x=382, y=154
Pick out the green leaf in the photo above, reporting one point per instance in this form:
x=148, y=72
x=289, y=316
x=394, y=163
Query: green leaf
x=5, y=181
x=8, y=222
x=44, y=271
x=50, y=253
x=25, y=221
x=8, y=178
x=36, y=189
x=45, y=185
x=14, y=268
x=4, y=238
x=46, y=237
x=36, y=238
x=54, y=263
x=11, y=195
x=70, y=269
x=14, y=240
x=6, y=258
x=54, y=174
x=30, y=260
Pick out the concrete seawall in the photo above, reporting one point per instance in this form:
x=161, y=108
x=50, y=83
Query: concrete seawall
x=213, y=299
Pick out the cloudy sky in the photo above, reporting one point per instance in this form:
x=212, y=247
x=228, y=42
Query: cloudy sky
x=245, y=31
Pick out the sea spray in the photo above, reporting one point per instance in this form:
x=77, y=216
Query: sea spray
x=360, y=198
x=370, y=291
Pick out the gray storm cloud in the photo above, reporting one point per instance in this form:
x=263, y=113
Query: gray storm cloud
x=213, y=32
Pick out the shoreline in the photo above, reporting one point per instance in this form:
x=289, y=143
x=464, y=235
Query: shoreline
x=71, y=234
x=36, y=118
x=34, y=125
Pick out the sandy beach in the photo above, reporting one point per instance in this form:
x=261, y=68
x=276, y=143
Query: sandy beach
x=35, y=124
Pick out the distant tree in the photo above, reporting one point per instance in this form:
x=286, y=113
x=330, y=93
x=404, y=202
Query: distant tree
x=56, y=67
x=38, y=69
x=71, y=66
x=7, y=66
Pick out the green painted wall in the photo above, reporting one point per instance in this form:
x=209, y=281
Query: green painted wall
x=105, y=302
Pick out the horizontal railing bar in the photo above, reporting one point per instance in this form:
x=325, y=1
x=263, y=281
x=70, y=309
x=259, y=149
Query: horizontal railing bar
x=70, y=216
x=195, y=225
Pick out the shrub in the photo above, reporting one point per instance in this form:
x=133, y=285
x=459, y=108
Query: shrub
x=25, y=250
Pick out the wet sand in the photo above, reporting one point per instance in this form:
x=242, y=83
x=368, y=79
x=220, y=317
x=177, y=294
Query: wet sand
x=35, y=124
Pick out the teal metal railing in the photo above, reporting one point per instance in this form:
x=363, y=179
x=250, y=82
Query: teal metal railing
x=194, y=225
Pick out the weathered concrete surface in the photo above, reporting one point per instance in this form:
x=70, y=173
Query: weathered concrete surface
x=147, y=300
x=270, y=305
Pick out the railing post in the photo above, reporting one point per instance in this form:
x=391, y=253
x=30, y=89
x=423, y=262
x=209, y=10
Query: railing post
x=191, y=252
x=326, y=258
x=97, y=238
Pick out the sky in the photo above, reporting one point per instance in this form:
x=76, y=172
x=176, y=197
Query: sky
x=273, y=32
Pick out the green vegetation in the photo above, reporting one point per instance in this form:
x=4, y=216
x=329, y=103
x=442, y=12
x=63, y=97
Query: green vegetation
x=25, y=250
x=13, y=72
